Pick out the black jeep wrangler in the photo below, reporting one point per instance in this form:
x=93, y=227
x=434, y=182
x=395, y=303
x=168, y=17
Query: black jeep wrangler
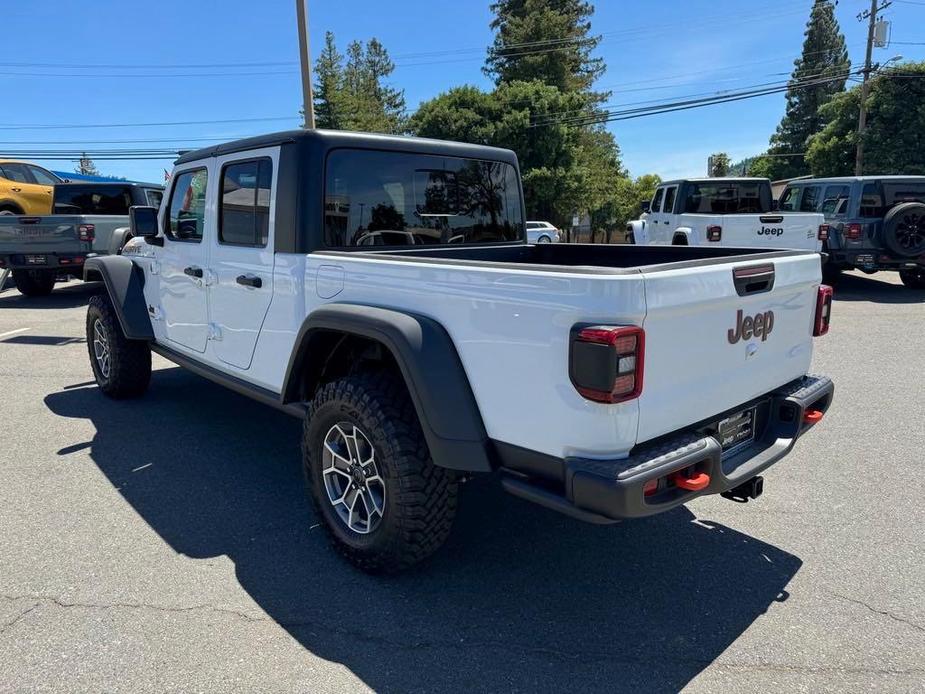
x=875, y=223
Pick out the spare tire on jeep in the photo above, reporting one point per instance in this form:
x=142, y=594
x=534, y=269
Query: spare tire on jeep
x=904, y=229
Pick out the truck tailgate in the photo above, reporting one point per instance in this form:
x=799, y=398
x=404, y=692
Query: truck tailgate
x=772, y=230
x=698, y=360
x=39, y=235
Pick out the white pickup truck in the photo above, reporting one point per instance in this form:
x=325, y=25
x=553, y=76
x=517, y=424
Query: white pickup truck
x=734, y=212
x=602, y=382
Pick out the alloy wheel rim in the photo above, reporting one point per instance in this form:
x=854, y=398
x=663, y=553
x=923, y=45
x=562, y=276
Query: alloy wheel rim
x=351, y=477
x=101, y=348
x=911, y=232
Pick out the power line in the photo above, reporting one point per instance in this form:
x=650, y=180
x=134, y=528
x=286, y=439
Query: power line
x=22, y=126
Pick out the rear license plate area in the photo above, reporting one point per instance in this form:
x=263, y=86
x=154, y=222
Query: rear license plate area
x=36, y=260
x=737, y=431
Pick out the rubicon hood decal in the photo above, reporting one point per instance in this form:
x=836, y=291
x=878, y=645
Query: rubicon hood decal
x=746, y=327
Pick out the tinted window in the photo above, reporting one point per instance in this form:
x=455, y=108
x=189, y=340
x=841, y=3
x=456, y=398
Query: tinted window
x=154, y=197
x=669, y=200
x=91, y=199
x=898, y=193
x=397, y=199
x=657, y=200
x=871, y=201
x=835, y=200
x=727, y=197
x=790, y=199
x=16, y=172
x=533, y=225
x=810, y=199
x=245, y=206
x=187, y=206
x=43, y=177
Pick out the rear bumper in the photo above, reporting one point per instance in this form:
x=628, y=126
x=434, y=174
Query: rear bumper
x=873, y=260
x=604, y=491
x=65, y=262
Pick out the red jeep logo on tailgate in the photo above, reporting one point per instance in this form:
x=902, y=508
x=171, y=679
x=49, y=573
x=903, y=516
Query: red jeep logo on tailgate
x=759, y=325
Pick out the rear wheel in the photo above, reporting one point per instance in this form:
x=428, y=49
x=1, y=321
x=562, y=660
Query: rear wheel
x=121, y=367
x=679, y=240
x=384, y=503
x=35, y=282
x=914, y=279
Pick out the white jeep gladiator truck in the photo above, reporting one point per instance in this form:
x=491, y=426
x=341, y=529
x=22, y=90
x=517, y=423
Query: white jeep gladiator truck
x=602, y=382
x=733, y=212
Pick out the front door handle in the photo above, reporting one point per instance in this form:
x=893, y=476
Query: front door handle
x=193, y=271
x=16, y=190
x=249, y=281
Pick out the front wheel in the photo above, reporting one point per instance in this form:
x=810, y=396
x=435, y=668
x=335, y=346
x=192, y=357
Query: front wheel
x=384, y=503
x=913, y=278
x=34, y=282
x=544, y=239
x=121, y=367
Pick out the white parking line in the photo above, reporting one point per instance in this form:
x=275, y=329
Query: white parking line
x=13, y=332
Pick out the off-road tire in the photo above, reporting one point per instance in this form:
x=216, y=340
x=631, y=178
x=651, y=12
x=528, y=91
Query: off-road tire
x=904, y=229
x=420, y=498
x=129, y=360
x=34, y=283
x=914, y=279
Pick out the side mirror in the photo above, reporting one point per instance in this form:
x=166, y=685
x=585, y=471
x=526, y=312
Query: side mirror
x=646, y=205
x=142, y=221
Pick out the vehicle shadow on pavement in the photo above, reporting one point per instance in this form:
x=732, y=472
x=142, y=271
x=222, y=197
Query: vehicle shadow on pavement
x=520, y=598
x=70, y=295
x=855, y=287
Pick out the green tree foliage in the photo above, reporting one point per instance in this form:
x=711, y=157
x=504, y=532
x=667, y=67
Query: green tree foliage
x=720, y=164
x=608, y=222
x=825, y=57
x=351, y=92
x=545, y=40
x=86, y=166
x=894, y=138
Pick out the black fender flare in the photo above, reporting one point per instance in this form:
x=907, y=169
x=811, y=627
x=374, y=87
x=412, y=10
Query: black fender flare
x=118, y=239
x=125, y=283
x=430, y=366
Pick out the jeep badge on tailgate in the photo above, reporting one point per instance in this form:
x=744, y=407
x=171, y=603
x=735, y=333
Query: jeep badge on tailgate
x=759, y=325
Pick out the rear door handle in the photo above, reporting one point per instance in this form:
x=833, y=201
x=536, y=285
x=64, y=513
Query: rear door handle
x=193, y=271
x=249, y=281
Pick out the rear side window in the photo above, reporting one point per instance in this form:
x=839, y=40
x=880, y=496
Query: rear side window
x=375, y=198
x=727, y=197
x=657, y=200
x=871, y=201
x=898, y=193
x=835, y=201
x=670, y=194
x=92, y=199
x=244, y=219
x=16, y=172
x=186, y=219
x=810, y=199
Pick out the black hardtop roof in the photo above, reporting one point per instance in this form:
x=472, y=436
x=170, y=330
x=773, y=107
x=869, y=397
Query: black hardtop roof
x=134, y=184
x=331, y=139
x=851, y=179
x=715, y=179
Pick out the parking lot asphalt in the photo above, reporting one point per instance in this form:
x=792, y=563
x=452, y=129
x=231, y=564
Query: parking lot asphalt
x=165, y=544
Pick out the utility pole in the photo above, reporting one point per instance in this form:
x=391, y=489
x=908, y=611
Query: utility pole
x=871, y=17
x=308, y=104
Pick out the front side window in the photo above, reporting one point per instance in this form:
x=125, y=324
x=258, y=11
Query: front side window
x=810, y=199
x=790, y=199
x=245, y=206
x=657, y=200
x=187, y=206
x=43, y=177
x=375, y=198
x=835, y=201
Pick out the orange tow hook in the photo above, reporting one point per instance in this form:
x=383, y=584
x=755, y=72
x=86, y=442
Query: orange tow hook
x=812, y=416
x=700, y=480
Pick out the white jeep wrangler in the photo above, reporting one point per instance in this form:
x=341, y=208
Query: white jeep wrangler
x=381, y=289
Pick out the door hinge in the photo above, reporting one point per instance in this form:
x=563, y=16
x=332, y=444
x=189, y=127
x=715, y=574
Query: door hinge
x=215, y=332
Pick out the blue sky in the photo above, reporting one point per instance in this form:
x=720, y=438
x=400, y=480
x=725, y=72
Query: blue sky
x=656, y=50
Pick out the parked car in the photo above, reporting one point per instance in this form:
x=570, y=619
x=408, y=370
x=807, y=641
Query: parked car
x=737, y=212
x=89, y=218
x=875, y=223
x=542, y=232
x=667, y=373
x=25, y=188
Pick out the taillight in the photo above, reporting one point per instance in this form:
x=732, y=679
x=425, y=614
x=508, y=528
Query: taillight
x=823, y=310
x=86, y=232
x=823, y=232
x=714, y=232
x=853, y=231
x=606, y=362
